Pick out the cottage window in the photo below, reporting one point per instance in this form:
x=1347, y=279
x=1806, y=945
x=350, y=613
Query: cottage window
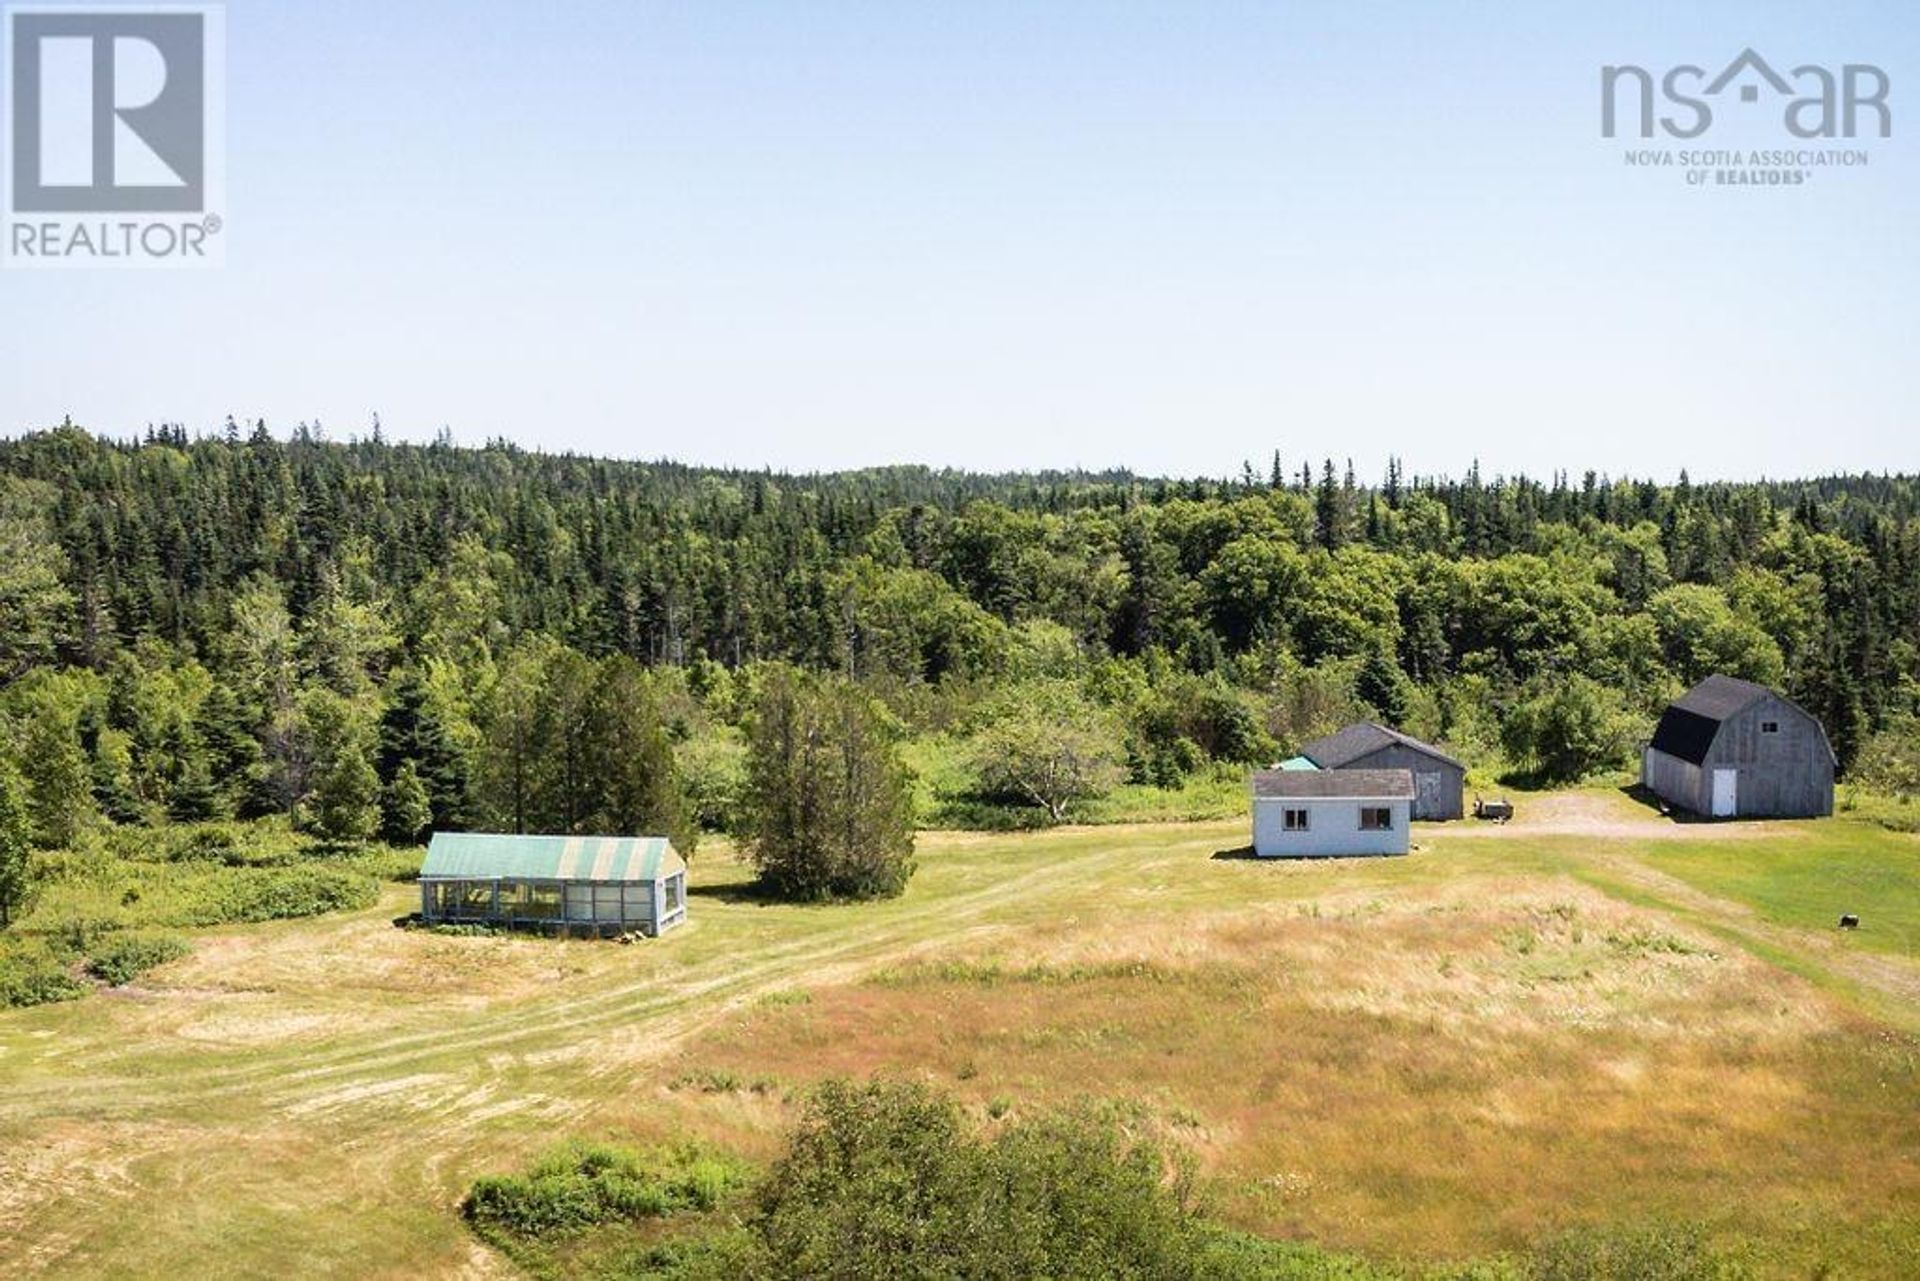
x=1769, y=727
x=1294, y=821
x=1376, y=818
x=673, y=893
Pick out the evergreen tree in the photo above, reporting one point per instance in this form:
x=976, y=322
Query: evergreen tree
x=828, y=810
x=16, y=841
x=634, y=785
x=1329, y=510
x=1383, y=687
x=344, y=808
x=415, y=729
x=58, y=775
x=405, y=810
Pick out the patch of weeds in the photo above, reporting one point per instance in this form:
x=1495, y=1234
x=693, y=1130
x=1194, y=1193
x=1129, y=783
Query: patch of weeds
x=720, y=1081
x=125, y=957
x=1521, y=941
x=462, y=930
x=991, y=974
x=580, y=1185
x=1650, y=1252
x=32, y=973
x=781, y=998
x=999, y=1106
x=1645, y=942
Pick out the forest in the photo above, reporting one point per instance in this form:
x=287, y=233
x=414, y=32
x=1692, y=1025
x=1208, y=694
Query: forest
x=372, y=639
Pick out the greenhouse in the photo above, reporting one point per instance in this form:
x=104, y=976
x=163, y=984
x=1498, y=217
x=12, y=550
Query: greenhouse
x=596, y=884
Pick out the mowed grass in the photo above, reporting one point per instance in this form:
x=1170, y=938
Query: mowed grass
x=1593, y=1020
x=1809, y=881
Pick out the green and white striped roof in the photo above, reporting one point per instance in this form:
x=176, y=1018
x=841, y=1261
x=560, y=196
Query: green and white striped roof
x=482, y=855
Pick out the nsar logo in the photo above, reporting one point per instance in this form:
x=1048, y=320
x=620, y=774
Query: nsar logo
x=1820, y=103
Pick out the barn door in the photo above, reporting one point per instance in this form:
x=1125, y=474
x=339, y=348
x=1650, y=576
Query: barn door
x=1726, y=793
x=1426, y=802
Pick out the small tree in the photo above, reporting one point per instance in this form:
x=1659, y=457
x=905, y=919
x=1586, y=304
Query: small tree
x=1046, y=743
x=16, y=843
x=828, y=810
x=1567, y=728
x=405, y=811
x=344, y=808
x=1383, y=687
x=58, y=776
x=633, y=782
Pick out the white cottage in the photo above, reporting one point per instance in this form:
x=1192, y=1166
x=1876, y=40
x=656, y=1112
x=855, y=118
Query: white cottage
x=1332, y=813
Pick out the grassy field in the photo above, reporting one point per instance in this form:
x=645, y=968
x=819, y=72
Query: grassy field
x=1590, y=1016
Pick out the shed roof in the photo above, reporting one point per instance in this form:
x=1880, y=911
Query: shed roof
x=482, y=855
x=1333, y=785
x=1363, y=738
x=1297, y=762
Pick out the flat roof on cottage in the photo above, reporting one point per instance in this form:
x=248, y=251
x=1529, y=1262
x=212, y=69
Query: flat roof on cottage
x=1334, y=785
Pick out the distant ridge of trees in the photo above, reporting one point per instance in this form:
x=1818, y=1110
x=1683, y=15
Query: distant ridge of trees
x=361, y=633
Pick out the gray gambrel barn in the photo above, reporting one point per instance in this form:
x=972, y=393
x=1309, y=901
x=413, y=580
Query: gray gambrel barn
x=596, y=884
x=1728, y=748
x=1438, y=779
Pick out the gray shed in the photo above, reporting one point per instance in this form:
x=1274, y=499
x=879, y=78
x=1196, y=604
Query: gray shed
x=1728, y=748
x=593, y=884
x=1438, y=779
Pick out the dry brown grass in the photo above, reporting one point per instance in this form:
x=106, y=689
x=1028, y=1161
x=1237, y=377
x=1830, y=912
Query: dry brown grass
x=1458, y=1073
x=1437, y=1056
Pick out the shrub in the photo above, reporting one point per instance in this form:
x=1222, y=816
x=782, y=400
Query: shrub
x=882, y=1174
x=32, y=974
x=125, y=957
x=828, y=809
x=214, y=844
x=1648, y=1252
x=1565, y=729
x=580, y=1185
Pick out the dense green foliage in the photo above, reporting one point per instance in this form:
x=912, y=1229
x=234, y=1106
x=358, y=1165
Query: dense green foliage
x=16, y=844
x=888, y=1179
x=238, y=626
x=828, y=809
x=580, y=1185
x=123, y=958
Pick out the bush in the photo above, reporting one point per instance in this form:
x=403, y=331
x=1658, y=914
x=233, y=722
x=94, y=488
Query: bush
x=828, y=809
x=1567, y=728
x=32, y=974
x=1652, y=1252
x=887, y=1173
x=125, y=957
x=580, y=1185
x=211, y=844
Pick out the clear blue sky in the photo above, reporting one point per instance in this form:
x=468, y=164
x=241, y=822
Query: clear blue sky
x=1167, y=237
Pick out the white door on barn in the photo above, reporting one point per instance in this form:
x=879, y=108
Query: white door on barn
x=1726, y=793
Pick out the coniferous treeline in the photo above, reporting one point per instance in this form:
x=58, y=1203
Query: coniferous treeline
x=369, y=635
